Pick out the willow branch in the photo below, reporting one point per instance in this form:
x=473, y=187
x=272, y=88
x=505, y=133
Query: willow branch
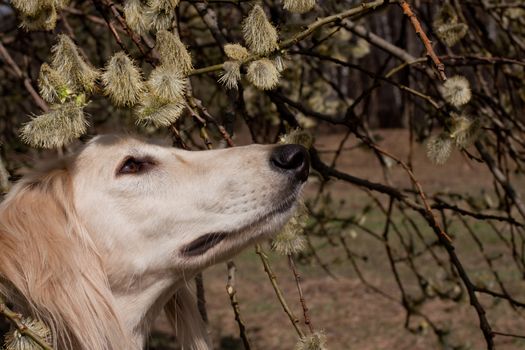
x=232, y=293
x=16, y=320
x=27, y=82
x=426, y=42
x=310, y=29
x=278, y=292
x=307, y=320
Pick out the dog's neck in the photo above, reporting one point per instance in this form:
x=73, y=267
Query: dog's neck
x=138, y=307
x=139, y=304
x=144, y=298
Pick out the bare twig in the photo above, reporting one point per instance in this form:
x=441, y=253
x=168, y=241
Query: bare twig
x=273, y=280
x=307, y=320
x=16, y=320
x=426, y=42
x=27, y=82
x=232, y=293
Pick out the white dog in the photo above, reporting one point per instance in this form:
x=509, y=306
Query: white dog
x=97, y=245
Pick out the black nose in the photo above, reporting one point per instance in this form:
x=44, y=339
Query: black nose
x=292, y=159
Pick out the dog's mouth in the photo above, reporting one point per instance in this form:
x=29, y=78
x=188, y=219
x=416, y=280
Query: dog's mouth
x=207, y=241
x=204, y=243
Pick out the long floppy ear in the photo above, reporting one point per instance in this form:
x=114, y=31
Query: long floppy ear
x=50, y=269
x=184, y=316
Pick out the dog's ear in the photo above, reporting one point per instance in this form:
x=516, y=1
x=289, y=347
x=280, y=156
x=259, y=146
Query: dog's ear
x=184, y=316
x=50, y=268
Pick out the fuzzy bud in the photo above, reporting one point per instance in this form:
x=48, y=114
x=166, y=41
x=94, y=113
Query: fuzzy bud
x=439, y=148
x=164, y=4
x=52, y=85
x=291, y=239
x=154, y=112
x=298, y=137
x=450, y=34
x=68, y=62
x=160, y=14
x=173, y=52
x=299, y=6
x=27, y=7
x=314, y=341
x=263, y=74
x=279, y=63
x=447, y=27
x=122, y=81
x=456, y=90
x=446, y=14
x=231, y=74
x=15, y=340
x=134, y=12
x=259, y=33
x=463, y=130
x=236, y=52
x=44, y=19
x=56, y=128
x=167, y=84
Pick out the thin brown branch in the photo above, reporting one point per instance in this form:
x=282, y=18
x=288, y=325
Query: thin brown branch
x=310, y=29
x=232, y=293
x=307, y=320
x=27, y=82
x=17, y=321
x=423, y=36
x=273, y=280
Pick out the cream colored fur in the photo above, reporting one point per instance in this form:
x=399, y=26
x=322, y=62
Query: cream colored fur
x=97, y=255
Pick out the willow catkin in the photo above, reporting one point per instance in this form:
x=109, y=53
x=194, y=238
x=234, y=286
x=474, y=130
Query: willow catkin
x=231, y=74
x=450, y=34
x=153, y=112
x=456, y=90
x=236, y=52
x=263, y=74
x=173, y=52
x=447, y=27
x=56, y=128
x=14, y=340
x=279, y=63
x=52, y=85
x=135, y=15
x=160, y=14
x=167, y=84
x=290, y=240
x=297, y=137
x=314, y=341
x=68, y=62
x=439, y=148
x=44, y=19
x=122, y=81
x=259, y=33
x=464, y=130
x=31, y=7
x=299, y=6
x=164, y=4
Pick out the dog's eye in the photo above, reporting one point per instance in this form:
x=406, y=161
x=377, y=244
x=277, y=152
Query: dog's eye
x=133, y=165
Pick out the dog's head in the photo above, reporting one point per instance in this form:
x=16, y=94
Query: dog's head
x=96, y=245
x=182, y=209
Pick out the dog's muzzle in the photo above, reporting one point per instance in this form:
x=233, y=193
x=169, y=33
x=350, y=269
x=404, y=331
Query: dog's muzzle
x=292, y=160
